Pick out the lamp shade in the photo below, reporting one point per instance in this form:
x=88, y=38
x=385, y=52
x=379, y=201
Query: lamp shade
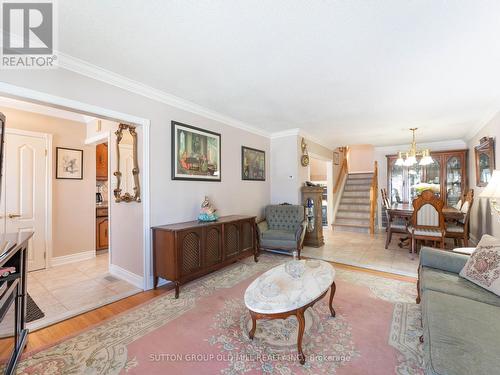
x=492, y=190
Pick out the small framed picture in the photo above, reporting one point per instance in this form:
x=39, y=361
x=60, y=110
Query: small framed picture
x=253, y=164
x=69, y=164
x=336, y=158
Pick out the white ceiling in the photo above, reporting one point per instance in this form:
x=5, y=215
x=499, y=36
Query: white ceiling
x=346, y=72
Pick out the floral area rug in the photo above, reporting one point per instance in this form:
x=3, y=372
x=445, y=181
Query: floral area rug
x=205, y=331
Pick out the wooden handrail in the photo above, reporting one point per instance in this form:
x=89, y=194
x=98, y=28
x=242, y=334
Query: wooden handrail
x=373, y=198
x=341, y=174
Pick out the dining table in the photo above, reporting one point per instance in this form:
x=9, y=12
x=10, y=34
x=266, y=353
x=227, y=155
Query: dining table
x=405, y=211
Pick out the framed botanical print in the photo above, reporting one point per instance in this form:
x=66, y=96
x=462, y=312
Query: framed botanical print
x=485, y=160
x=253, y=164
x=196, y=153
x=69, y=164
x=336, y=158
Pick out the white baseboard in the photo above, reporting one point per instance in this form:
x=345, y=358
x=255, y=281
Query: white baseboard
x=130, y=277
x=65, y=259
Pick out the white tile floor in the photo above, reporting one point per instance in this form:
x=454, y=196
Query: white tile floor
x=363, y=250
x=71, y=289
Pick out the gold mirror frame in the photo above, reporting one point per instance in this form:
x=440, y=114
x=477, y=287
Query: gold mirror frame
x=127, y=197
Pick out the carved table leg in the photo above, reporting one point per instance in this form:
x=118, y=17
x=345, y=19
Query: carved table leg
x=302, y=325
x=332, y=293
x=177, y=284
x=254, y=326
x=155, y=282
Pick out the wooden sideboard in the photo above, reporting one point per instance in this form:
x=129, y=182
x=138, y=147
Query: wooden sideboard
x=186, y=251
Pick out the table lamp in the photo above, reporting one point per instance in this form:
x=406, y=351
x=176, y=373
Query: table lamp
x=492, y=191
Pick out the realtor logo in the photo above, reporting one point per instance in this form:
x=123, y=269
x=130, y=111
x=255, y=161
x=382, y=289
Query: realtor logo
x=28, y=34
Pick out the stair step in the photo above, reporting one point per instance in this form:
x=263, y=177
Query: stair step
x=351, y=228
x=359, y=181
x=357, y=187
x=356, y=194
x=362, y=215
x=354, y=208
x=352, y=221
x=360, y=176
x=355, y=200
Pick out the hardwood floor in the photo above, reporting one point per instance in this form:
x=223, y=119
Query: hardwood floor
x=53, y=334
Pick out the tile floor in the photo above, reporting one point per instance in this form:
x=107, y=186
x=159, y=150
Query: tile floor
x=363, y=250
x=71, y=289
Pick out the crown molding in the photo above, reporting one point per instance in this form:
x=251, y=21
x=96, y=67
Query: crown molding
x=299, y=133
x=494, y=111
x=433, y=146
x=87, y=69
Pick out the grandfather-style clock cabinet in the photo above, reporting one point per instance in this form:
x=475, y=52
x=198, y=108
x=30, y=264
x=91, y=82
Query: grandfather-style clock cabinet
x=314, y=237
x=448, y=172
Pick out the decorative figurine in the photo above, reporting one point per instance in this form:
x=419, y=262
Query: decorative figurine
x=207, y=212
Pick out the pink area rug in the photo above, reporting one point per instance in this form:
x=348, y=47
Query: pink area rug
x=205, y=331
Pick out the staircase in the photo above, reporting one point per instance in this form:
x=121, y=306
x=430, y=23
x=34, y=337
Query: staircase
x=353, y=212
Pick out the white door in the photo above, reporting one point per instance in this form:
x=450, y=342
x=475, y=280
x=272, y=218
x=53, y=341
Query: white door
x=25, y=191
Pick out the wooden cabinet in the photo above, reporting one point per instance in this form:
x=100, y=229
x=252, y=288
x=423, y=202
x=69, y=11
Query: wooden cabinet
x=102, y=224
x=314, y=234
x=447, y=175
x=102, y=162
x=185, y=251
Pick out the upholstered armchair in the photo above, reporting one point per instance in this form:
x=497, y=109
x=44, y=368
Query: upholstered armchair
x=283, y=229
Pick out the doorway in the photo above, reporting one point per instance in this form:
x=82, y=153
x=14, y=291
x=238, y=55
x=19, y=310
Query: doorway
x=321, y=173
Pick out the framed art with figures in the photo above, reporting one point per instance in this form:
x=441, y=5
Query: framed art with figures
x=69, y=164
x=253, y=164
x=196, y=153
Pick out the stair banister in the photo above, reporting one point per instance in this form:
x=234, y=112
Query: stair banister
x=373, y=198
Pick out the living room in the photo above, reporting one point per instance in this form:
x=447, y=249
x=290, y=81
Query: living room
x=234, y=108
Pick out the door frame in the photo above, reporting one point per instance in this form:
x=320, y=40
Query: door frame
x=104, y=137
x=329, y=183
x=48, y=184
x=22, y=93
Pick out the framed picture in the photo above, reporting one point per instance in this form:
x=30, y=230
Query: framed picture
x=69, y=164
x=196, y=153
x=336, y=158
x=253, y=164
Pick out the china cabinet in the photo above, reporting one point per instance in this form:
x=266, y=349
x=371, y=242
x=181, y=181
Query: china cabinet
x=447, y=176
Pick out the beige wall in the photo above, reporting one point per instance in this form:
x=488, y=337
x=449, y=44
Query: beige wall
x=73, y=201
x=171, y=201
x=318, y=170
x=481, y=220
x=361, y=158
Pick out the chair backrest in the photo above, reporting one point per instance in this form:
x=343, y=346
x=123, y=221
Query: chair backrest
x=466, y=206
x=285, y=217
x=428, y=211
x=385, y=201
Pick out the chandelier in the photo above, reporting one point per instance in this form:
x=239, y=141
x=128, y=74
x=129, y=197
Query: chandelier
x=409, y=158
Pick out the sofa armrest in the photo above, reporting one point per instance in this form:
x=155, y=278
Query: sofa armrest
x=262, y=226
x=301, y=232
x=443, y=260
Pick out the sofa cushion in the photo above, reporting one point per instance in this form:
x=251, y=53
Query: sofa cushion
x=284, y=217
x=461, y=336
x=483, y=266
x=278, y=244
x=452, y=283
x=276, y=234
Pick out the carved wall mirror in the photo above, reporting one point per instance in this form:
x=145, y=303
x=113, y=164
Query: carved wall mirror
x=127, y=166
x=485, y=160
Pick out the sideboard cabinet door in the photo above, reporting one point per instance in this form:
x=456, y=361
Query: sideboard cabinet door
x=231, y=239
x=189, y=250
x=212, y=245
x=247, y=236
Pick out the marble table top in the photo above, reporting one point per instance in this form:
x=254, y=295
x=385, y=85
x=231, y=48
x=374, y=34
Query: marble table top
x=275, y=291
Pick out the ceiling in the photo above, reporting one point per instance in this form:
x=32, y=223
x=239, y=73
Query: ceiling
x=346, y=72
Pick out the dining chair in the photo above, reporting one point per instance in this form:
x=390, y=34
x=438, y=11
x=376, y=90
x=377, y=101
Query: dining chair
x=427, y=221
x=459, y=229
x=392, y=225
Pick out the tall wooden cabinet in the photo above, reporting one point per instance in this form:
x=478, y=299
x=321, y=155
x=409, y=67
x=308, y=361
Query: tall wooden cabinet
x=185, y=251
x=448, y=175
x=101, y=170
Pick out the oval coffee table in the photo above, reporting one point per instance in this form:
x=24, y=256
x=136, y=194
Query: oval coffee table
x=277, y=295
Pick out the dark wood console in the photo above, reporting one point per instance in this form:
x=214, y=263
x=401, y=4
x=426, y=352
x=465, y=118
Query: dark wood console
x=186, y=251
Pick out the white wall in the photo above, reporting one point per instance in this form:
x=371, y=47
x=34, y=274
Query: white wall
x=171, y=201
x=360, y=158
x=481, y=220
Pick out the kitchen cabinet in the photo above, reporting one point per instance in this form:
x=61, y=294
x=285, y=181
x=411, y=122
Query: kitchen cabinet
x=101, y=168
x=102, y=227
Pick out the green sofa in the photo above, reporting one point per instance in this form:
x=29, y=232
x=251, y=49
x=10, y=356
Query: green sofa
x=283, y=229
x=461, y=320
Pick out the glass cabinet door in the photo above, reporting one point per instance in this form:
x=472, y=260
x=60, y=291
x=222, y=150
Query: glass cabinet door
x=454, y=188
x=397, y=184
x=415, y=177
